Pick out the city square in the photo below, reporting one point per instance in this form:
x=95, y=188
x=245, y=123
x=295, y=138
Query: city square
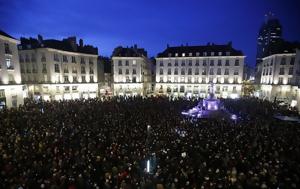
x=135, y=95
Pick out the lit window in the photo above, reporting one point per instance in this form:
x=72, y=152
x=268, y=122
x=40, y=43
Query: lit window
x=134, y=62
x=9, y=64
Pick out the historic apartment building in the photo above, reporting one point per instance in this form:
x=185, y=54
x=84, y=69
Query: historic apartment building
x=188, y=70
x=11, y=90
x=131, y=71
x=280, y=74
x=57, y=70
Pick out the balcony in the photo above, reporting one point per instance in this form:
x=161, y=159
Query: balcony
x=44, y=71
x=74, y=71
x=10, y=68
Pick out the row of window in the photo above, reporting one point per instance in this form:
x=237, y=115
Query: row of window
x=282, y=71
x=74, y=70
x=55, y=58
x=280, y=81
x=199, y=54
x=197, y=80
x=127, y=71
x=120, y=63
x=204, y=63
x=196, y=71
x=283, y=61
x=65, y=79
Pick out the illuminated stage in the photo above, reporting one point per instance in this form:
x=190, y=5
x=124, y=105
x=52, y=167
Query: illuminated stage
x=210, y=107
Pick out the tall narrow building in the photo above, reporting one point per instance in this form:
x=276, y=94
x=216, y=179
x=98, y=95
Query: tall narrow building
x=131, y=71
x=269, y=35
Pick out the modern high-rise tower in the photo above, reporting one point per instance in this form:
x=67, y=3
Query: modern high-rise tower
x=269, y=35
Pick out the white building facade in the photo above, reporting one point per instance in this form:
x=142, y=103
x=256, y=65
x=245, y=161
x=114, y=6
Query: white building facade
x=280, y=76
x=188, y=70
x=131, y=72
x=11, y=89
x=54, y=74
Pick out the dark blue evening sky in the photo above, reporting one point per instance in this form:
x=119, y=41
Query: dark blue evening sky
x=151, y=24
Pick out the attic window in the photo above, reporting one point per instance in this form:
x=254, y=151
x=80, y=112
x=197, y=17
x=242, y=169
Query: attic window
x=170, y=54
x=197, y=54
x=205, y=54
x=227, y=53
x=220, y=53
x=176, y=54
x=212, y=53
x=190, y=54
x=183, y=54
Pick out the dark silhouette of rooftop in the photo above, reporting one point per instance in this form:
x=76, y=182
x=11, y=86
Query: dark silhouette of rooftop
x=68, y=44
x=5, y=34
x=129, y=52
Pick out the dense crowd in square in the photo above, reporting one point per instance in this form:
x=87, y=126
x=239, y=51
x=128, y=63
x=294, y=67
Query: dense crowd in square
x=98, y=143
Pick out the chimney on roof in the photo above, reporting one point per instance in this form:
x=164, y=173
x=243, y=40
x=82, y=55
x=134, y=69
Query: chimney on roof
x=135, y=46
x=230, y=43
x=40, y=39
x=186, y=44
x=168, y=45
x=208, y=44
x=80, y=42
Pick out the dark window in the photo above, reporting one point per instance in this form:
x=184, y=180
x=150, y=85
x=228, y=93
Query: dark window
x=219, y=62
x=82, y=69
x=169, y=71
x=283, y=61
x=212, y=62
x=226, y=71
x=292, y=61
x=176, y=71
x=227, y=63
x=291, y=70
x=183, y=63
x=176, y=62
x=161, y=71
x=219, y=71
x=281, y=71
x=56, y=68
x=182, y=71
x=237, y=62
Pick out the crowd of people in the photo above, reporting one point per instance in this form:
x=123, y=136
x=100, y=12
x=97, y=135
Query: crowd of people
x=108, y=144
